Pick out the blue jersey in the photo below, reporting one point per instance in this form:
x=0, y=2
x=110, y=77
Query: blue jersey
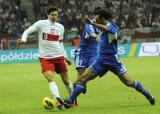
x=108, y=42
x=107, y=59
x=86, y=52
x=88, y=43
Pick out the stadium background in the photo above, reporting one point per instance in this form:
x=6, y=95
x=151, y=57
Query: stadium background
x=21, y=85
x=139, y=22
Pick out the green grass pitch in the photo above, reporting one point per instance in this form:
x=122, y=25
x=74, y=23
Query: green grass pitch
x=22, y=88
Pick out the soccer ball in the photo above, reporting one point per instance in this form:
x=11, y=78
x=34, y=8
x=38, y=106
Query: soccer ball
x=49, y=103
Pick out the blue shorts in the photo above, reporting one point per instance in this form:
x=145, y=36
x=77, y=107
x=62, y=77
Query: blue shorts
x=84, y=60
x=101, y=68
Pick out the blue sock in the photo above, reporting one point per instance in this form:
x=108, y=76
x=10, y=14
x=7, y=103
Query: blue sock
x=78, y=88
x=139, y=88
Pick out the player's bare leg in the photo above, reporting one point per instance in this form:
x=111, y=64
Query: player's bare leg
x=50, y=76
x=135, y=84
x=80, y=71
x=67, y=83
x=79, y=87
x=86, y=76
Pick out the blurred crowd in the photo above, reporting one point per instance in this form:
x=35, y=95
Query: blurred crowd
x=127, y=13
x=13, y=20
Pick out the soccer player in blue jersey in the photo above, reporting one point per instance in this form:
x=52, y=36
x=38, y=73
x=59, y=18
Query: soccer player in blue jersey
x=107, y=60
x=86, y=52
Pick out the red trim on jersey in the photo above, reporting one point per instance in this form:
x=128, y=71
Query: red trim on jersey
x=57, y=65
x=50, y=37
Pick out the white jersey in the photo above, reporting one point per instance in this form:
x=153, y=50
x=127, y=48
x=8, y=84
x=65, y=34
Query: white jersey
x=50, y=34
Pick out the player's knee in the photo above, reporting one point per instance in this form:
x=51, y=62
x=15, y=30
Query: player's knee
x=129, y=84
x=81, y=81
x=66, y=82
x=48, y=77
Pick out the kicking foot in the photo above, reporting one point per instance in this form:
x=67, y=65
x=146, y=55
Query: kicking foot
x=74, y=104
x=59, y=105
x=85, y=90
x=150, y=98
x=66, y=103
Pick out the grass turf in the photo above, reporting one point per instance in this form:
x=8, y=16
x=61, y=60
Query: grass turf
x=22, y=88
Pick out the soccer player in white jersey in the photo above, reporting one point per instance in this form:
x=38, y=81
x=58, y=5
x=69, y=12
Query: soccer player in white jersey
x=51, y=50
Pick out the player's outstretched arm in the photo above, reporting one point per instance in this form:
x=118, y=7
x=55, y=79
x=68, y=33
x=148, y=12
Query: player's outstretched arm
x=99, y=26
x=87, y=20
x=20, y=41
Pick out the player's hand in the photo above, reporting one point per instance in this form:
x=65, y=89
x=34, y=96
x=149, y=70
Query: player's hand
x=69, y=62
x=97, y=37
x=87, y=20
x=20, y=41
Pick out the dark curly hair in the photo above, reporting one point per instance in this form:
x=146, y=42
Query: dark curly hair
x=104, y=14
x=51, y=8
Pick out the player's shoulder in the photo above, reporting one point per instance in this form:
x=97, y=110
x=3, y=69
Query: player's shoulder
x=41, y=22
x=89, y=26
x=59, y=25
x=111, y=24
x=112, y=27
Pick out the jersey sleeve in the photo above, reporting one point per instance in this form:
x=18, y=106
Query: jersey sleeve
x=30, y=30
x=61, y=36
x=90, y=30
x=63, y=50
x=112, y=28
x=113, y=32
x=61, y=41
